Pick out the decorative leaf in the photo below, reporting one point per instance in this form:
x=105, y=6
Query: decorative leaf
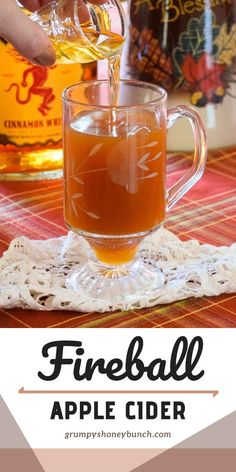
x=76, y=195
x=143, y=158
x=226, y=43
x=141, y=163
x=157, y=156
x=204, y=72
x=74, y=207
x=153, y=144
x=95, y=149
x=142, y=166
x=193, y=41
x=151, y=176
x=78, y=179
x=93, y=215
x=150, y=145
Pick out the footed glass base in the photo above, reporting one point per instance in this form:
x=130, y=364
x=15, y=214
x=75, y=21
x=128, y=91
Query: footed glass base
x=116, y=284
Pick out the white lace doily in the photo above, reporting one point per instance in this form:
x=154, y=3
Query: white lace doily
x=32, y=273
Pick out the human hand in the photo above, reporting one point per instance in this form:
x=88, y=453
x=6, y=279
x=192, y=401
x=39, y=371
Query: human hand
x=24, y=34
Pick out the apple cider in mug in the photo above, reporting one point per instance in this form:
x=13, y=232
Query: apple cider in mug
x=115, y=181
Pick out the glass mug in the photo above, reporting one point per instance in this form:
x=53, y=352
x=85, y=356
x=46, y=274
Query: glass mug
x=114, y=182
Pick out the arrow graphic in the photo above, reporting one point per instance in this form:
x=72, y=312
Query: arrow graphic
x=133, y=392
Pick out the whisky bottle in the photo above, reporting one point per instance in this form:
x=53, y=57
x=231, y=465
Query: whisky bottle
x=31, y=114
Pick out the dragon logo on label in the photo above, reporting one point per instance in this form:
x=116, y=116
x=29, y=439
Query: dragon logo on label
x=39, y=75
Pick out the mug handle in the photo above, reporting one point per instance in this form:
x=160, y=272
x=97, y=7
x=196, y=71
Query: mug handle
x=191, y=177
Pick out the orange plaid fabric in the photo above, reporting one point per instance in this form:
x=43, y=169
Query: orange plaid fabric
x=207, y=213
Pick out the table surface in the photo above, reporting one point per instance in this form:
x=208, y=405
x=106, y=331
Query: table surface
x=207, y=212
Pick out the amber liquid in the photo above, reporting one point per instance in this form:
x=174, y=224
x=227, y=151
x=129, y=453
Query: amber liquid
x=103, y=187
x=114, y=185
x=94, y=46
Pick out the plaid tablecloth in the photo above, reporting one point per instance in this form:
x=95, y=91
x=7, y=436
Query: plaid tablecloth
x=207, y=212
